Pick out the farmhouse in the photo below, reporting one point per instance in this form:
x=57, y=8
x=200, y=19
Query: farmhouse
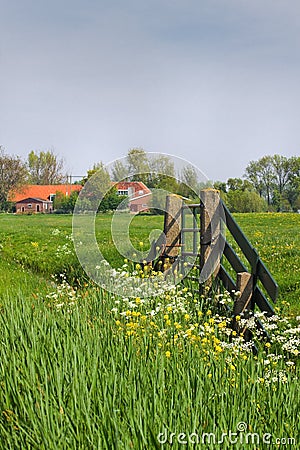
x=139, y=194
x=39, y=198
x=34, y=205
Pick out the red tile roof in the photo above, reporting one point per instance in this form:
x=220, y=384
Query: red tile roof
x=43, y=191
x=136, y=185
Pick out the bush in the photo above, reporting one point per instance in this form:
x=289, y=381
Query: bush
x=245, y=201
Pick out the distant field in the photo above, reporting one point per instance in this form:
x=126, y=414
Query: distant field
x=42, y=245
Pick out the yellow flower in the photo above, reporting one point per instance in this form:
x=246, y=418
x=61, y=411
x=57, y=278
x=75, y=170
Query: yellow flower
x=267, y=344
x=237, y=318
x=168, y=354
x=141, y=244
x=186, y=316
x=35, y=244
x=209, y=375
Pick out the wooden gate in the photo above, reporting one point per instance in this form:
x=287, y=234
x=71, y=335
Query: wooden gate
x=195, y=231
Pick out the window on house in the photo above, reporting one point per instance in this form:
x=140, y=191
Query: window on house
x=51, y=197
x=29, y=205
x=122, y=192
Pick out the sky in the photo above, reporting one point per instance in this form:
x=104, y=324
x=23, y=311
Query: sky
x=216, y=82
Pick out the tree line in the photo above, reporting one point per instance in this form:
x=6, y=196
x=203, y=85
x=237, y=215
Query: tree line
x=271, y=183
x=39, y=168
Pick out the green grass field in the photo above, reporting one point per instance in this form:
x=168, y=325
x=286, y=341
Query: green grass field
x=31, y=242
x=81, y=368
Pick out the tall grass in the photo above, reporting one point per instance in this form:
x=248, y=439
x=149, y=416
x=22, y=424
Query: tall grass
x=82, y=369
x=71, y=379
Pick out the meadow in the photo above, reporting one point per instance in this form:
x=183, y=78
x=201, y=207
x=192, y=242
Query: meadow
x=81, y=368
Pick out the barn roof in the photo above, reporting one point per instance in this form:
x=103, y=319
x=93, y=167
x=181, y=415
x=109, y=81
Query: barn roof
x=29, y=199
x=43, y=191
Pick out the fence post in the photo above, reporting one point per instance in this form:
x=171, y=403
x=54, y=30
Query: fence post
x=244, y=284
x=172, y=226
x=209, y=230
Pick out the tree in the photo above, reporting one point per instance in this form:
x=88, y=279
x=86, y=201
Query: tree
x=112, y=200
x=13, y=175
x=292, y=191
x=189, y=186
x=277, y=179
x=97, y=185
x=238, y=184
x=235, y=184
x=45, y=168
x=162, y=173
x=138, y=165
x=220, y=186
x=119, y=171
x=65, y=203
x=261, y=174
x=282, y=169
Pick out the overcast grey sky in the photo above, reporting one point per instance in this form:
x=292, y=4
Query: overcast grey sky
x=213, y=81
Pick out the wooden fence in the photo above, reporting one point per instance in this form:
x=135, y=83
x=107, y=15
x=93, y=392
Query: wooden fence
x=214, y=254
